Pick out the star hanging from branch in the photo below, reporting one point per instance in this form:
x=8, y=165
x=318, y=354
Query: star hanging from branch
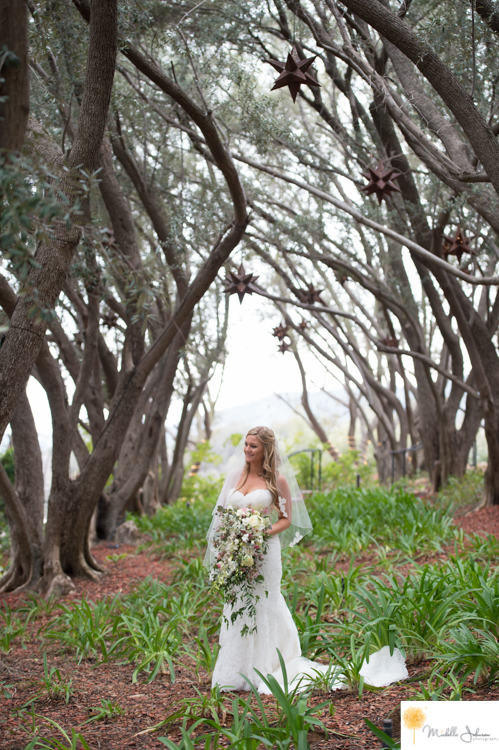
x=293, y=73
x=457, y=245
x=110, y=320
x=280, y=331
x=284, y=347
x=381, y=181
x=302, y=326
x=310, y=295
x=393, y=343
x=240, y=283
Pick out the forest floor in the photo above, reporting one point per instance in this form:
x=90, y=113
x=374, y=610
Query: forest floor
x=145, y=704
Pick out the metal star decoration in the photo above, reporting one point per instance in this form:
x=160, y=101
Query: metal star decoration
x=457, y=245
x=381, y=181
x=293, y=73
x=240, y=283
x=284, y=347
x=310, y=295
x=110, y=320
x=280, y=332
x=302, y=326
x=393, y=343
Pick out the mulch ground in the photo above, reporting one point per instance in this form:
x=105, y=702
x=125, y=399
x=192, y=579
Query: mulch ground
x=147, y=704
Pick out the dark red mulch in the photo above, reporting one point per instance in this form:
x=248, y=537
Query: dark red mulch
x=483, y=522
x=120, y=575
x=146, y=704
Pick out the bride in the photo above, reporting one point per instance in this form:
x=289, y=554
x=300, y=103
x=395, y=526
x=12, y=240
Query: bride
x=258, y=477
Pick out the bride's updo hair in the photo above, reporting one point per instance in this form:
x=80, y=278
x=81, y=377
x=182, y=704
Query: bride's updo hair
x=271, y=461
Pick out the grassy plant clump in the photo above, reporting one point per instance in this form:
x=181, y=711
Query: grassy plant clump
x=462, y=491
x=345, y=472
x=107, y=710
x=350, y=520
x=185, y=522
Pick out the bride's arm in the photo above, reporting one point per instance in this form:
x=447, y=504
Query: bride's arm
x=284, y=520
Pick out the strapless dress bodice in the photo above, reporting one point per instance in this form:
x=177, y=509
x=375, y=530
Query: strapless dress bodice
x=260, y=498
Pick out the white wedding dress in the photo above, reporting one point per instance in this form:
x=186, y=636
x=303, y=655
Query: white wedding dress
x=275, y=629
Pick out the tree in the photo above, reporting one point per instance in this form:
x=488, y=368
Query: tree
x=156, y=327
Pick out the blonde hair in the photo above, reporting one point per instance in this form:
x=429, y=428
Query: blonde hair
x=271, y=461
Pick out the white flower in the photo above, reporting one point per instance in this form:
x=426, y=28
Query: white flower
x=252, y=521
x=247, y=561
x=245, y=538
x=241, y=512
x=255, y=523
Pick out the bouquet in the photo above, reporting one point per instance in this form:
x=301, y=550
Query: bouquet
x=240, y=542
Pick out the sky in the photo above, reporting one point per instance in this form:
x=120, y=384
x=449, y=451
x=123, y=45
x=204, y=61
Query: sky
x=254, y=367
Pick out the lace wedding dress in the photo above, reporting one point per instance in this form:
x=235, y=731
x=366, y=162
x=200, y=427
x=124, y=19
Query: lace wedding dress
x=275, y=629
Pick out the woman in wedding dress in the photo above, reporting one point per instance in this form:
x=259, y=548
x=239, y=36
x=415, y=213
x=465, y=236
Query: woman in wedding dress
x=260, y=478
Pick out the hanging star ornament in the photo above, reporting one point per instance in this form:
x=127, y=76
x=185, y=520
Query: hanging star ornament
x=240, y=283
x=293, y=73
x=110, y=320
x=280, y=332
x=302, y=326
x=284, y=347
x=393, y=343
x=310, y=295
x=457, y=245
x=381, y=181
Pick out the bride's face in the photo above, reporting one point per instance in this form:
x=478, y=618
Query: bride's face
x=253, y=449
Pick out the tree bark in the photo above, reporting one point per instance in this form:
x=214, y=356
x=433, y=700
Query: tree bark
x=24, y=502
x=14, y=90
x=177, y=469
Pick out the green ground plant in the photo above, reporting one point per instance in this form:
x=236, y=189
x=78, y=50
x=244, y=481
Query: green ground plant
x=53, y=684
x=466, y=490
x=341, y=473
x=107, y=710
x=67, y=742
x=350, y=521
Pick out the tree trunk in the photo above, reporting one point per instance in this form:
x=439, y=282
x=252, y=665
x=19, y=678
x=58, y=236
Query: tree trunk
x=134, y=464
x=177, y=470
x=14, y=88
x=24, y=502
x=382, y=455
